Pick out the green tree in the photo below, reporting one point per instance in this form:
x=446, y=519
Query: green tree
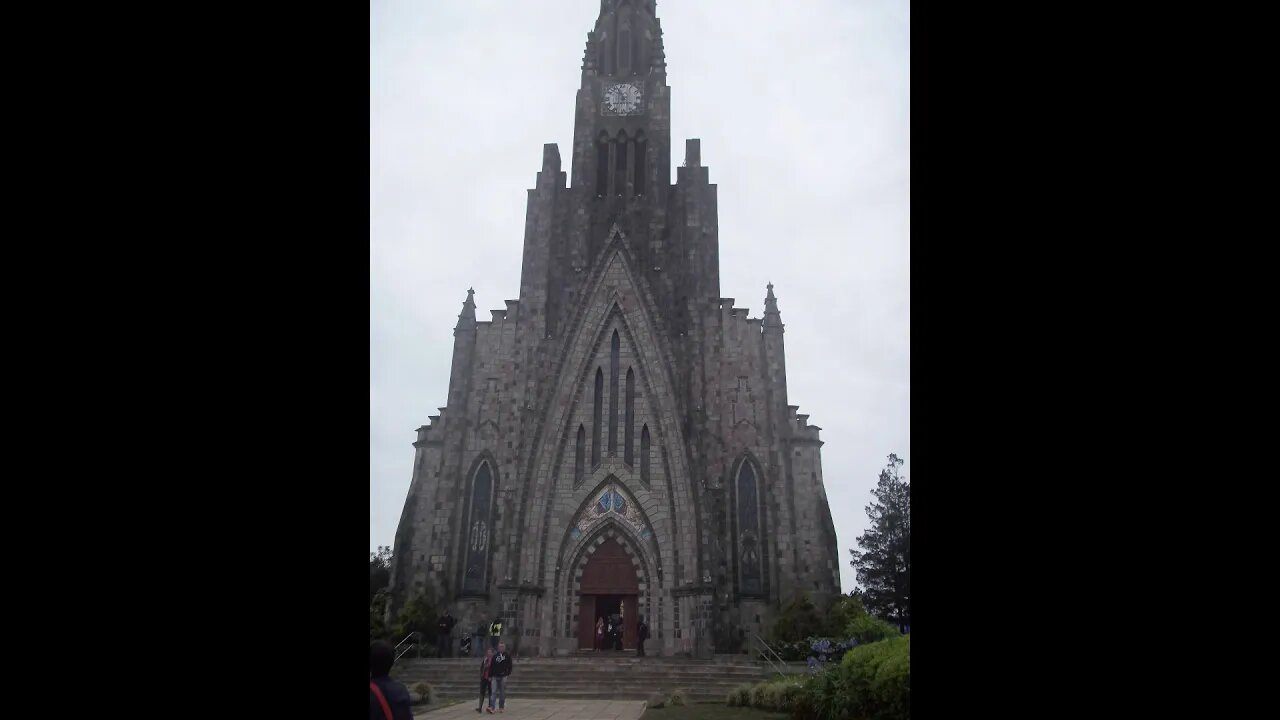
x=377, y=607
x=379, y=571
x=418, y=615
x=843, y=610
x=884, y=563
x=379, y=586
x=798, y=620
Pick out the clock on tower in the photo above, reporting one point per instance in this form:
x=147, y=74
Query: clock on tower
x=622, y=99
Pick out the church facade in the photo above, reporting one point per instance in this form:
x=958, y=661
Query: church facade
x=618, y=440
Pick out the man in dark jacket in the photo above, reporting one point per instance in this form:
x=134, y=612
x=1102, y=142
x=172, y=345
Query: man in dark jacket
x=444, y=629
x=498, y=682
x=388, y=699
x=642, y=634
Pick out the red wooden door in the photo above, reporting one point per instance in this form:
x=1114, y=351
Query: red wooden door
x=587, y=622
x=630, y=623
x=609, y=572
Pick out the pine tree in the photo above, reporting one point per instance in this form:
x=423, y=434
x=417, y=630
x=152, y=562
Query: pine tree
x=884, y=563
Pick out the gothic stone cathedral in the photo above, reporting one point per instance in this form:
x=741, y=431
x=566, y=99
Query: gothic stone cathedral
x=618, y=438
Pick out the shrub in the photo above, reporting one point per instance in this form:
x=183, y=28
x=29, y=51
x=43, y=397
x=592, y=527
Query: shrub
x=879, y=677
x=867, y=629
x=787, y=694
x=792, y=651
x=825, y=650
x=678, y=698
x=843, y=609
x=756, y=698
x=798, y=620
x=891, y=687
x=825, y=697
x=872, y=682
x=739, y=696
x=424, y=690
x=778, y=694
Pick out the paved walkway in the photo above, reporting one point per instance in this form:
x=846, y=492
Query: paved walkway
x=544, y=709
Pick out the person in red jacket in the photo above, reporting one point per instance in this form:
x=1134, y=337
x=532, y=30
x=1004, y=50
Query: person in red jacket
x=486, y=672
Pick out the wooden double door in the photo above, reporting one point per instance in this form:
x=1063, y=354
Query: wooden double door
x=609, y=587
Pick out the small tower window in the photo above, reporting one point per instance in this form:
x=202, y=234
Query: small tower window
x=628, y=452
x=598, y=426
x=620, y=163
x=644, y=454
x=613, y=395
x=579, y=469
x=640, y=164
x=602, y=168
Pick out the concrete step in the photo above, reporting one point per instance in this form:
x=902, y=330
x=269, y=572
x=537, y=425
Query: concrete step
x=575, y=680
x=580, y=684
x=628, y=690
x=588, y=670
x=527, y=682
x=590, y=676
x=601, y=694
x=576, y=665
x=561, y=679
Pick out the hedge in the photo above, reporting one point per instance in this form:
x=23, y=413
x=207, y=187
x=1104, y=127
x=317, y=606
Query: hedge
x=871, y=682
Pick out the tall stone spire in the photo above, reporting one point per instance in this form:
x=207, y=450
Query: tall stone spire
x=772, y=316
x=467, y=318
x=649, y=6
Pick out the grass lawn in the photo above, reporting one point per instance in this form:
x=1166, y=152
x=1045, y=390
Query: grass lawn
x=710, y=711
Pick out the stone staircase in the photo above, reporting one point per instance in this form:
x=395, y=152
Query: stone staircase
x=621, y=676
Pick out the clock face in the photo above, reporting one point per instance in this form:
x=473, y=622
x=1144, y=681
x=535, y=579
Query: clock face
x=622, y=99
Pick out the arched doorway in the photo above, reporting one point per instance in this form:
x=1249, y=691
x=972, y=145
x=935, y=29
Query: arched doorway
x=609, y=586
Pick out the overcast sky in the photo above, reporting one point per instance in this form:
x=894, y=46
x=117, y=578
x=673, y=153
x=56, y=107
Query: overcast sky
x=803, y=109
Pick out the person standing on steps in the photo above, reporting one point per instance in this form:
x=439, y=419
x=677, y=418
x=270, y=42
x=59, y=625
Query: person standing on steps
x=495, y=633
x=599, y=633
x=642, y=634
x=498, y=683
x=486, y=673
x=444, y=628
x=388, y=699
x=477, y=642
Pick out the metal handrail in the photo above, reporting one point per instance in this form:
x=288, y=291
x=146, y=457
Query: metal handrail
x=771, y=651
x=407, y=638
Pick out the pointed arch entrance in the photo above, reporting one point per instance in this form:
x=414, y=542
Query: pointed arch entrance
x=609, y=587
